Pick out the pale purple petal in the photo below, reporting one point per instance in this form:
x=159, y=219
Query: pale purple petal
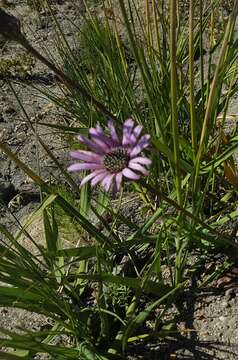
x=99, y=177
x=94, y=133
x=100, y=138
x=84, y=166
x=130, y=174
x=101, y=134
x=113, y=132
x=141, y=160
x=138, y=167
x=100, y=130
x=142, y=144
x=127, y=129
x=107, y=181
x=101, y=143
x=135, y=134
x=91, y=144
x=86, y=156
x=118, y=180
x=90, y=176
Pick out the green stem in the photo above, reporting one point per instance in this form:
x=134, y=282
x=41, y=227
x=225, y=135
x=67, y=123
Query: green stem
x=201, y=53
x=174, y=114
x=191, y=79
x=175, y=132
x=157, y=34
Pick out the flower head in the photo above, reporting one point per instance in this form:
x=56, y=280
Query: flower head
x=110, y=158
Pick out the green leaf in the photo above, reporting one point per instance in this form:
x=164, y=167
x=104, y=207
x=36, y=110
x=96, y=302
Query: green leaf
x=102, y=202
x=84, y=199
x=51, y=232
x=38, y=213
x=143, y=315
x=18, y=294
x=81, y=253
x=164, y=149
x=90, y=353
x=220, y=158
x=6, y=356
x=134, y=283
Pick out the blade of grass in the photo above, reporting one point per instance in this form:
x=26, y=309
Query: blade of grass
x=212, y=95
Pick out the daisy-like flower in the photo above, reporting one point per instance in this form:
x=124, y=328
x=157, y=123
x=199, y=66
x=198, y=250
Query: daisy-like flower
x=110, y=158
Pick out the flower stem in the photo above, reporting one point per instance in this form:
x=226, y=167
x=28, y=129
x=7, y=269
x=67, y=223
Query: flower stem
x=175, y=133
x=174, y=112
x=191, y=79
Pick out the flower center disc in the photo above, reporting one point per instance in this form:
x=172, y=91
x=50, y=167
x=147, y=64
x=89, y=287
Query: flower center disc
x=116, y=160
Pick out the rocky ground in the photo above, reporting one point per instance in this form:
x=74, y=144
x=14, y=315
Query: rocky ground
x=208, y=318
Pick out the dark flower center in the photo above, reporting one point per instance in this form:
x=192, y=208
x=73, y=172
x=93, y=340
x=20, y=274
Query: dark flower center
x=116, y=160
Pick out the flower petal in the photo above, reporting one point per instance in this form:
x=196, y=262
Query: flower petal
x=86, y=156
x=107, y=181
x=141, y=160
x=139, y=168
x=118, y=180
x=99, y=130
x=90, y=176
x=113, y=132
x=91, y=144
x=84, y=166
x=102, y=136
x=135, y=134
x=100, y=140
x=127, y=129
x=98, y=178
x=98, y=136
x=130, y=174
x=142, y=144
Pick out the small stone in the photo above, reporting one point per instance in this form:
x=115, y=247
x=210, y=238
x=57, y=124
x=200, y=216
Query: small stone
x=222, y=318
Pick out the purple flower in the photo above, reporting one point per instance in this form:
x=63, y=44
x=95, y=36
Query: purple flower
x=110, y=158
